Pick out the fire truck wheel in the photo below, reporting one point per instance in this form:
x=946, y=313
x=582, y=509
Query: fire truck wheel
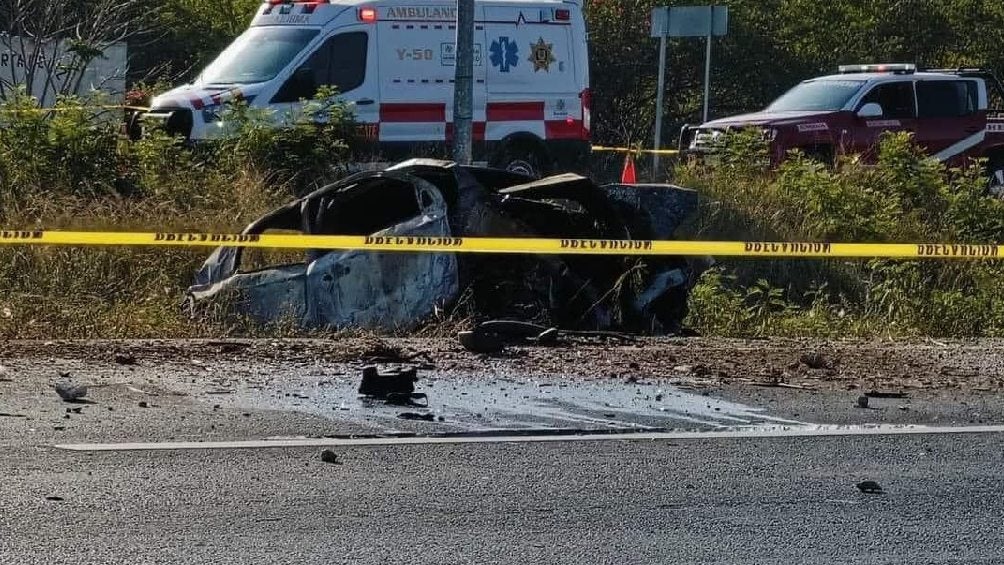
x=995, y=174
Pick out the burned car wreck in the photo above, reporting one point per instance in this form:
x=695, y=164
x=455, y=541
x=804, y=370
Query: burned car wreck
x=393, y=290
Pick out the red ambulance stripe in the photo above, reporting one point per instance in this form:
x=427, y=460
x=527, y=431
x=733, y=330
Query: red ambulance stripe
x=515, y=111
x=479, y=131
x=398, y=113
x=564, y=129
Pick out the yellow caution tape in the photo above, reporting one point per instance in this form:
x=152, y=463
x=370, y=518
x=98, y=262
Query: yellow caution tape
x=570, y=246
x=636, y=151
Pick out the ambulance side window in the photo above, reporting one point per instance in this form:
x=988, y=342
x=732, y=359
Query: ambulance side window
x=303, y=84
x=348, y=60
x=340, y=62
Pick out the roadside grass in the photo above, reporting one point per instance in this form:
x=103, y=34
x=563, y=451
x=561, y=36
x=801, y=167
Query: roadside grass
x=71, y=171
x=906, y=197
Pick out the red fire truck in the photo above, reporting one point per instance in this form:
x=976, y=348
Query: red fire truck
x=948, y=112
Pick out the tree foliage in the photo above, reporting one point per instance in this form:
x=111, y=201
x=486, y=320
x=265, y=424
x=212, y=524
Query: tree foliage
x=772, y=45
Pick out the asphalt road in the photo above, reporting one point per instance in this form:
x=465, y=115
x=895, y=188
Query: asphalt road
x=708, y=500
x=692, y=501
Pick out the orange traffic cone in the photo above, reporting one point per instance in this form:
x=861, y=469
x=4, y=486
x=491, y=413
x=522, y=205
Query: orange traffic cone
x=629, y=176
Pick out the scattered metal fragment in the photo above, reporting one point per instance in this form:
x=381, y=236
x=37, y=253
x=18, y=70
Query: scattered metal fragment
x=492, y=336
x=69, y=391
x=429, y=417
x=815, y=360
x=380, y=385
x=409, y=399
x=54, y=498
x=477, y=342
x=328, y=456
x=862, y=402
x=878, y=394
x=779, y=384
x=548, y=336
x=125, y=359
x=870, y=487
x=143, y=404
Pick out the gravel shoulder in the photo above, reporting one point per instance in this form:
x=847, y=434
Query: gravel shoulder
x=176, y=390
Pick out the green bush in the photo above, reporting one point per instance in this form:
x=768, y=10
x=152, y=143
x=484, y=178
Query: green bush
x=312, y=150
x=70, y=169
x=69, y=148
x=905, y=197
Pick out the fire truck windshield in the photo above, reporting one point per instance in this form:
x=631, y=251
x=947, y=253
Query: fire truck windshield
x=817, y=96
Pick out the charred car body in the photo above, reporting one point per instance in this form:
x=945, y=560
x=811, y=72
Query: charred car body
x=394, y=290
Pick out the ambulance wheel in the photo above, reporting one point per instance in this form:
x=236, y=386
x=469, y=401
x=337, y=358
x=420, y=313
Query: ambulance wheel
x=521, y=158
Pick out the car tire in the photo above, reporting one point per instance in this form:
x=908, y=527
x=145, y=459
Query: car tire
x=134, y=125
x=995, y=176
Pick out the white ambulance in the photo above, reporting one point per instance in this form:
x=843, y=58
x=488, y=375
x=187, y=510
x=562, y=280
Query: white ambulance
x=394, y=63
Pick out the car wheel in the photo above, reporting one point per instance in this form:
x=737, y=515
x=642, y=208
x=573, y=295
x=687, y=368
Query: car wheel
x=995, y=177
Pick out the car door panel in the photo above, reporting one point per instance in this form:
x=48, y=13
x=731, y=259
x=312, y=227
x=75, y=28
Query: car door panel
x=899, y=115
x=371, y=289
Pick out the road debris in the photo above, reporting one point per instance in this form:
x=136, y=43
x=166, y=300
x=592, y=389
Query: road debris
x=328, y=456
x=69, y=391
x=411, y=399
x=870, y=487
x=431, y=199
x=878, y=394
x=125, y=359
x=779, y=384
x=862, y=402
x=380, y=385
x=54, y=498
x=491, y=337
x=143, y=404
x=478, y=342
x=429, y=417
x=815, y=360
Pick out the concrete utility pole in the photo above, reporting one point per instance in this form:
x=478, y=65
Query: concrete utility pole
x=659, y=103
x=463, y=96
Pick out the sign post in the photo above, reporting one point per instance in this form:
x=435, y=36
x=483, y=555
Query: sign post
x=659, y=103
x=685, y=21
x=707, y=66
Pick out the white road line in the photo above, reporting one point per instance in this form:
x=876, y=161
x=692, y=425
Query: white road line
x=757, y=433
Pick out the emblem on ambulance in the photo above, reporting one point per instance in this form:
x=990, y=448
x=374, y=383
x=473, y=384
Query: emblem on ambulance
x=504, y=54
x=542, y=55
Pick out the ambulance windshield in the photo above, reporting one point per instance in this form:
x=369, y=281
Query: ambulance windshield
x=257, y=56
x=817, y=96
